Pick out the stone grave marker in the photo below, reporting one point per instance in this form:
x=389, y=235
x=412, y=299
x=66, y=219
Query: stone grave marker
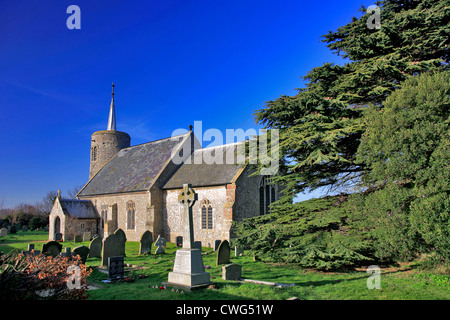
x=188, y=269
x=81, y=251
x=58, y=236
x=217, y=244
x=145, y=244
x=87, y=236
x=95, y=248
x=3, y=232
x=52, y=248
x=231, y=272
x=67, y=253
x=160, y=244
x=31, y=250
x=223, y=253
x=115, y=268
x=111, y=248
x=78, y=238
x=179, y=241
x=123, y=239
x=238, y=251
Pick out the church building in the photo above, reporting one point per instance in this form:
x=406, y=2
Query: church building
x=136, y=188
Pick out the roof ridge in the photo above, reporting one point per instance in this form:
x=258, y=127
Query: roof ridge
x=159, y=140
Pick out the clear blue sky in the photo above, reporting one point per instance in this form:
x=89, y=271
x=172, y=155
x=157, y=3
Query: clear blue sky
x=173, y=63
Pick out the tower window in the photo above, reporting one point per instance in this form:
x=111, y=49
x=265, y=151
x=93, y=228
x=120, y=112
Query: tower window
x=94, y=153
x=207, y=212
x=131, y=209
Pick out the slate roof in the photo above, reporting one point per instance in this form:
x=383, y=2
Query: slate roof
x=200, y=169
x=134, y=168
x=81, y=209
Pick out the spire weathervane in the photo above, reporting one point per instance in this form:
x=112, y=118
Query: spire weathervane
x=112, y=113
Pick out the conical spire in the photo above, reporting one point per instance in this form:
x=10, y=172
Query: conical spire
x=112, y=113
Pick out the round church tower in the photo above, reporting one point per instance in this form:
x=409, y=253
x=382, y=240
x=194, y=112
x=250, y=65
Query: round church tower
x=106, y=143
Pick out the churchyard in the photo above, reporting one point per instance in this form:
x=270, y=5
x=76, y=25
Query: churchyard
x=146, y=275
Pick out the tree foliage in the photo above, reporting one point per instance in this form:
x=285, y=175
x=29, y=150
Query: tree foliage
x=406, y=148
x=314, y=234
x=321, y=126
x=352, y=125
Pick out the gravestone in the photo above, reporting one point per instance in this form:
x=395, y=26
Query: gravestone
x=3, y=232
x=145, y=244
x=52, y=248
x=31, y=250
x=95, y=248
x=179, y=241
x=198, y=245
x=238, y=251
x=115, y=268
x=58, y=236
x=160, y=244
x=231, y=272
x=217, y=244
x=123, y=239
x=112, y=247
x=223, y=253
x=188, y=270
x=78, y=238
x=67, y=253
x=87, y=236
x=81, y=251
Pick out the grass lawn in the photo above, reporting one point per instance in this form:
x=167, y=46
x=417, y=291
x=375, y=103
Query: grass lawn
x=406, y=282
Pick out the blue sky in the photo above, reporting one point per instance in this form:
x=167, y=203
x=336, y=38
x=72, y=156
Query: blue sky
x=173, y=63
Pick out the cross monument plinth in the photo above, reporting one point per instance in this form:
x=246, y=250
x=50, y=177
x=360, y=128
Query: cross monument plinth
x=188, y=270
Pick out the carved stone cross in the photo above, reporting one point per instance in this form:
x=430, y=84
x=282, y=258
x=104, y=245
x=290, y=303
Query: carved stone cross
x=188, y=197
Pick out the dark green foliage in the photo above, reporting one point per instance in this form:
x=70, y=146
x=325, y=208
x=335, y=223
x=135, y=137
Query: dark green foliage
x=313, y=233
x=406, y=148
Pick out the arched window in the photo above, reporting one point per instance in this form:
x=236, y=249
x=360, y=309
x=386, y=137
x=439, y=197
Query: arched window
x=94, y=153
x=267, y=195
x=131, y=209
x=207, y=211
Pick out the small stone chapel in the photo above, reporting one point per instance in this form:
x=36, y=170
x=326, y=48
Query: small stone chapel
x=136, y=188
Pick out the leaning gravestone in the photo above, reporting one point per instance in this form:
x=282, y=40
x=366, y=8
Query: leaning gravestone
x=81, y=251
x=123, y=239
x=52, y=248
x=115, y=268
x=95, y=248
x=223, y=253
x=112, y=247
x=160, y=244
x=3, y=232
x=145, y=244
